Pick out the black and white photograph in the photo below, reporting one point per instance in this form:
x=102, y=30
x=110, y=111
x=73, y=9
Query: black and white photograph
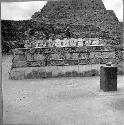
x=62, y=62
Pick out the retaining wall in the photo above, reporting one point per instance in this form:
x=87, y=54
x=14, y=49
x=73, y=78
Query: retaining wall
x=54, y=71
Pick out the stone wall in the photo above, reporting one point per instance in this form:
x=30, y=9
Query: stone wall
x=39, y=57
x=54, y=72
x=61, y=62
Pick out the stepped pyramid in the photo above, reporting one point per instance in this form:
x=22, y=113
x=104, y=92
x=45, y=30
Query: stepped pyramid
x=85, y=18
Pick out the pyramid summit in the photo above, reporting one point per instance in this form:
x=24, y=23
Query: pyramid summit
x=78, y=4
x=86, y=18
x=59, y=9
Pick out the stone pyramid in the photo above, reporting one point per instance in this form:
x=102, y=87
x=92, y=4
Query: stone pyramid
x=86, y=18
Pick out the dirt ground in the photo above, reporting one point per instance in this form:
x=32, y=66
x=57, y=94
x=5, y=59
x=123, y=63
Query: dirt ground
x=61, y=101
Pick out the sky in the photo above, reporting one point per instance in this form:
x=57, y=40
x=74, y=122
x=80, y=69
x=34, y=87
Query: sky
x=24, y=10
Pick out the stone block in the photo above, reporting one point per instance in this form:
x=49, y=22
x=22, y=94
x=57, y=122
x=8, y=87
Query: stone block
x=68, y=74
x=108, y=78
x=48, y=74
x=16, y=75
x=74, y=73
x=34, y=63
x=30, y=57
x=82, y=61
x=87, y=74
x=60, y=75
x=42, y=74
x=19, y=64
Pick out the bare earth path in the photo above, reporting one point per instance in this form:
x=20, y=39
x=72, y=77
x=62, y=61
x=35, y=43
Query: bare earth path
x=64, y=101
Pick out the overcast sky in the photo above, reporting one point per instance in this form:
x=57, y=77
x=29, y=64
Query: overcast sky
x=24, y=10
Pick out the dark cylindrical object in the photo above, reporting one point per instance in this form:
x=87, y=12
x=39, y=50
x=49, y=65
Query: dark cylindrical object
x=108, y=78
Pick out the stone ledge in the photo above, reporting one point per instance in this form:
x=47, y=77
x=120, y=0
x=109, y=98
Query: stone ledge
x=54, y=71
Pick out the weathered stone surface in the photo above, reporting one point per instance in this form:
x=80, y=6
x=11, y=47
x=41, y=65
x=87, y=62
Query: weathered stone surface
x=108, y=78
x=20, y=64
x=61, y=56
x=38, y=63
x=53, y=71
x=85, y=19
